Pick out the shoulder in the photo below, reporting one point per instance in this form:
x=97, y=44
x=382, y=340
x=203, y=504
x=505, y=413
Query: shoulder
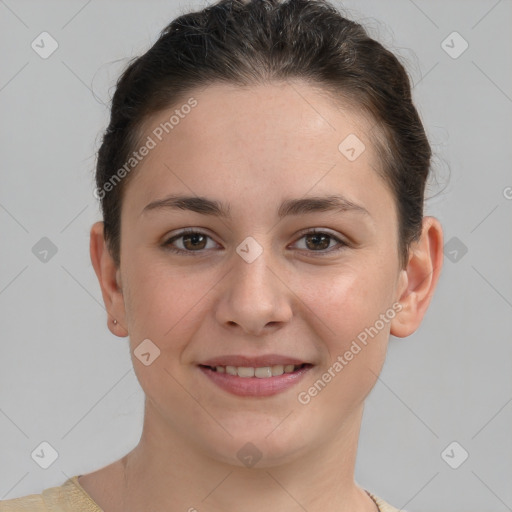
x=68, y=497
x=30, y=503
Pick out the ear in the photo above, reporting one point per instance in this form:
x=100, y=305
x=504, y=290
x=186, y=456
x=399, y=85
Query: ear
x=418, y=281
x=108, y=275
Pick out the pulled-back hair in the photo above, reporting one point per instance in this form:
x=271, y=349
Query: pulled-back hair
x=252, y=42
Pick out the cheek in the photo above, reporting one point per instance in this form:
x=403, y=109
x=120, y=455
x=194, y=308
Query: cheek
x=347, y=300
x=163, y=305
x=354, y=339
x=163, y=301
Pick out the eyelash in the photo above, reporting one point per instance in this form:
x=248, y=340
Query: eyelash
x=167, y=244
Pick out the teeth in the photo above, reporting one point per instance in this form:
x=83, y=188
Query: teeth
x=245, y=372
x=263, y=372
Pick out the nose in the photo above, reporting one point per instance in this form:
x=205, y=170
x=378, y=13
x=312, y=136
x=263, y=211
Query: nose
x=254, y=298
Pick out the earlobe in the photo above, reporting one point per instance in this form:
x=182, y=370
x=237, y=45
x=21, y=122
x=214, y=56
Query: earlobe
x=108, y=275
x=419, y=279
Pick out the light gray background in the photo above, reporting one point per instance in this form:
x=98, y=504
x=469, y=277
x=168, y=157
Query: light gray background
x=66, y=380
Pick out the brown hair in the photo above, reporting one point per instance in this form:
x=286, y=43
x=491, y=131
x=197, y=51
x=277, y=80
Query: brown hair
x=246, y=42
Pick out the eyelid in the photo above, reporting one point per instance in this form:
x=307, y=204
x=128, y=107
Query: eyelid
x=326, y=231
x=342, y=243
x=166, y=244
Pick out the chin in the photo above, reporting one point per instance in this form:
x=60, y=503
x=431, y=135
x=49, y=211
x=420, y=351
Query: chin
x=257, y=448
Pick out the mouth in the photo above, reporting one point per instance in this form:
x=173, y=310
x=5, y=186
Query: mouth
x=260, y=372
x=255, y=381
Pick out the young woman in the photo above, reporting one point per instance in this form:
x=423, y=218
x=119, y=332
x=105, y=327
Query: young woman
x=262, y=182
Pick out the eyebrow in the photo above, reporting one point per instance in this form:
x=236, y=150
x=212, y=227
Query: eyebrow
x=205, y=206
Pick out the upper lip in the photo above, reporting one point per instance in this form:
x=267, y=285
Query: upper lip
x=254, y=362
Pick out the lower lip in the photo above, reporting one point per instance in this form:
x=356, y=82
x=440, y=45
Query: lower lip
x=254, y=386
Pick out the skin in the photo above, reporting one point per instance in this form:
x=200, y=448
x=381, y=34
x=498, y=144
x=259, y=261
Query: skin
x=253, y=148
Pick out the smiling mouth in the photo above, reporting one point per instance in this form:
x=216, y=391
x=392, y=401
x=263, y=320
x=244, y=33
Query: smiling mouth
x=262, y=372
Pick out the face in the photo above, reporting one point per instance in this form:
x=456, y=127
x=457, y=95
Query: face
x=258, y=281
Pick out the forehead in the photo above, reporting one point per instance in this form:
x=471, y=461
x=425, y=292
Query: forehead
x=253, y=115
x=282, y=137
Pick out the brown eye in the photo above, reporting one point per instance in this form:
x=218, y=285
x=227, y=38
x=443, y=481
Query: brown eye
x=194, y=241
x=191, y=242
x=320, y=242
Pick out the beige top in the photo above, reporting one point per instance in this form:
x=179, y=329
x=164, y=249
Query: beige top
x=72, y=497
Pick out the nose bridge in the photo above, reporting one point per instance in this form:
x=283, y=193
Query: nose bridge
x=255, y=297
x=252, y=269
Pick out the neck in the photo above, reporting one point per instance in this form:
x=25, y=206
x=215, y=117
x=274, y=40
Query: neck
x=166, y=472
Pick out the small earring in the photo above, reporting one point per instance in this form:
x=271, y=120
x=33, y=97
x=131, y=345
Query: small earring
x=115, y=321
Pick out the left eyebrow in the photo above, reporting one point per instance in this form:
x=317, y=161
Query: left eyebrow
x=301, y=206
